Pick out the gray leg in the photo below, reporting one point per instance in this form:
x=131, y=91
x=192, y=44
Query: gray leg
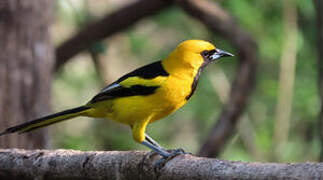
x=153, y=142
x=157, y=149
x=166, y=156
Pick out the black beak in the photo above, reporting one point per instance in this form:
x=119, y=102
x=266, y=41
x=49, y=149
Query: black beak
x=218, y=53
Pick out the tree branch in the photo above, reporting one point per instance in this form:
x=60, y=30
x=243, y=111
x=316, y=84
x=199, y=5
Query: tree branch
x=219, y=21
x=109, y=25
x=70, y=164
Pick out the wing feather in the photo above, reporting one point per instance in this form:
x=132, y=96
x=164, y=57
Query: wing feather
x=145, y=73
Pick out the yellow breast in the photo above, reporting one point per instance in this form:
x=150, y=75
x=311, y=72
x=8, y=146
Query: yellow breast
x=169, y=97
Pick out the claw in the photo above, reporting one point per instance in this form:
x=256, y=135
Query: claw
x=172, y=153
x=166, y=154
x=181, y=151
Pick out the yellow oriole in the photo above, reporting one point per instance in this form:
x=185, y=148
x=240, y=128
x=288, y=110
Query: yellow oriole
x=144, y=95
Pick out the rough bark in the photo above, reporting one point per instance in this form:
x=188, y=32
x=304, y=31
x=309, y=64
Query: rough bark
x=69, y=164
x=319, y=21
x=26, y=62
x=221, y=22
x=109, y=25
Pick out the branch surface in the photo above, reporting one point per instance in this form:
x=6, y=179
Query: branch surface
x=219, y=21
x=70, y=164
x=109, y=25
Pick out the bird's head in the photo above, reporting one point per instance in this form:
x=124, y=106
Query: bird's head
x=196, y=53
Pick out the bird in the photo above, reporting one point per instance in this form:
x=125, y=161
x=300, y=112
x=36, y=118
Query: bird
x=144, y=95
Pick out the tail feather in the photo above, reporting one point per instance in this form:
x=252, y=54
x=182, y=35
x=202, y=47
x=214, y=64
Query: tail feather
x=47, y=120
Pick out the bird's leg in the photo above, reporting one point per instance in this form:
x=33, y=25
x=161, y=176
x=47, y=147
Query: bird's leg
x=156, y=149
x=166, y=156
x=161, y=151
x=153, y=142
x=153, y=145
x=149, y=139
x=138, y=133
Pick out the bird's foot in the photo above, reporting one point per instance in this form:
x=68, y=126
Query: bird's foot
x=160, y=163
x=165, y=158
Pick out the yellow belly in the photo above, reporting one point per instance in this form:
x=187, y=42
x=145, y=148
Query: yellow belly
x=128, y=110
x=138, y=108
x=164, y=101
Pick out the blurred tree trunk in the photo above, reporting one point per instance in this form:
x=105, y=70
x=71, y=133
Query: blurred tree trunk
x=319, y=19
x=286, y=77
x=26, y=64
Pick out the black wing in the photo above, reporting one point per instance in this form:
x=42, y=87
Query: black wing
x=149, y=71
x=115, y=90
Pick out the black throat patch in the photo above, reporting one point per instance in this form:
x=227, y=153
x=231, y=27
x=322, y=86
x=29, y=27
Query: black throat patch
x=205, y=54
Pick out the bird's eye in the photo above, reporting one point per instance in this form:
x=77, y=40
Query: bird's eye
x=205, y=53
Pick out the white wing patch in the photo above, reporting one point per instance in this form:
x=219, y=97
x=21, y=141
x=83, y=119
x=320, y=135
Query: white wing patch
x=110, y=87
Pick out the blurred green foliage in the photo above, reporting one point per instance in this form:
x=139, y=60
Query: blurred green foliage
x=152, y=39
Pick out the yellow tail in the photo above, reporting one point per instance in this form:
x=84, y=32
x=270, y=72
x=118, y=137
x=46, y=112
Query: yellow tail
x=47, y=120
